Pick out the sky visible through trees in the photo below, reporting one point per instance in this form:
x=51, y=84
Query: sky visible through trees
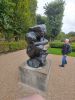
x=69, y=15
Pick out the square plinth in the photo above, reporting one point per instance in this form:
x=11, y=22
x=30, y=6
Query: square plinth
x=35, y=77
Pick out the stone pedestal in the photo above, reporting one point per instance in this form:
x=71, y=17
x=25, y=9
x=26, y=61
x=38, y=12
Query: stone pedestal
x=35, y=78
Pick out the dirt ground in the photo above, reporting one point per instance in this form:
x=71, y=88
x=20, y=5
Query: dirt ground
x=61, y=82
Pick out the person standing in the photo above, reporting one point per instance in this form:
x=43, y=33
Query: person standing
x=66, y=49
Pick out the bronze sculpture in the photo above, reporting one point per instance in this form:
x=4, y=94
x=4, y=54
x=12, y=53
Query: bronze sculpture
x=35, y=50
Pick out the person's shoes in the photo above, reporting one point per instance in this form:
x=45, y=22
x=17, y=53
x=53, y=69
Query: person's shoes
x=61, y=65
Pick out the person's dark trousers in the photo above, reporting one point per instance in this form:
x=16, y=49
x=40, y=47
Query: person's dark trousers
x=64, y=61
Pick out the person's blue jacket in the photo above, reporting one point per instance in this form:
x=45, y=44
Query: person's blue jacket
x=66, y=49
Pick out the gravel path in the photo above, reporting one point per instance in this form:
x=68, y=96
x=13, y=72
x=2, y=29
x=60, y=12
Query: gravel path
x=61, y=82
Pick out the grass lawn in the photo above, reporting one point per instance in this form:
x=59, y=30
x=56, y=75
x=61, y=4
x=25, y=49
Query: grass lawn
x=57, y=51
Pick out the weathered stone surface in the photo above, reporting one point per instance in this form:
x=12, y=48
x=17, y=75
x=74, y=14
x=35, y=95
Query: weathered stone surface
x=36, y=78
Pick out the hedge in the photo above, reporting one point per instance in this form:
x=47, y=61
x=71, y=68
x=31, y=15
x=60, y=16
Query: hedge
x=12, y=46
x=56, y=44
x=60, y=44
x=4, y=47
x=73, y=48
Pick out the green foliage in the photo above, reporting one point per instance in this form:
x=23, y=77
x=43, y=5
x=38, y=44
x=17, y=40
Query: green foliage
x=60, y=44
x=70, y=34
x=72, y=39
x=6, y=13
x=56, y=44
x=61, y=36
x=73, y=47
x=54, y=51
x=26, y=11
x=54, y=12
x=17, y=45
x=12, y=46
x=16, y=16
x=9, y=36
x=4, y=47
x=32, y=7
x=1, y=35
x=41, y=19
x=57, y=51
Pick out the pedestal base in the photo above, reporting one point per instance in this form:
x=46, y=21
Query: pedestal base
x=35, y=77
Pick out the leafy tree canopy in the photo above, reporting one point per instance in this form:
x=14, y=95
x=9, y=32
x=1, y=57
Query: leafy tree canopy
x=16, y=16
x=54, y=12
x=41, y=19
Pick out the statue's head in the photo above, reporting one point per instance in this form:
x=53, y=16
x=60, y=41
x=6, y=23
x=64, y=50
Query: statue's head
x=36, y=32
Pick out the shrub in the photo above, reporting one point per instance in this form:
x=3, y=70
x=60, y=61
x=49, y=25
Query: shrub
x=17, y=45
x=4, y=47
x=12, y=46
x=73, y=47
x=59, y=45
x=56, y=44
x=72, y=39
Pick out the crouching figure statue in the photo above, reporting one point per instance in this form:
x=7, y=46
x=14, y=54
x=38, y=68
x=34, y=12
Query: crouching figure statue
x=35, y=50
